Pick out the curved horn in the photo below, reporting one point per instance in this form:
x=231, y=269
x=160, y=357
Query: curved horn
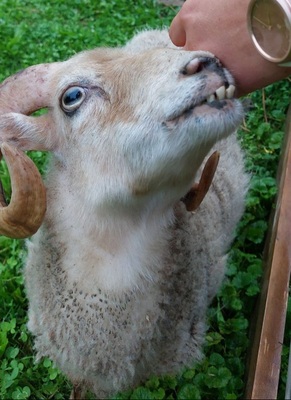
x=20, y=95
x=25, y=213
x=196, y=194
x=28, y=90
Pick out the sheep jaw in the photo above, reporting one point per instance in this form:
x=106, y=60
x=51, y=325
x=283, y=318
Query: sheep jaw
x=218, y=99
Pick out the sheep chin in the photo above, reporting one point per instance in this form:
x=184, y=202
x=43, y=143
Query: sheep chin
x=213, y=109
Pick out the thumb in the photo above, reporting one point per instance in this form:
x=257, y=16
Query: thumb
x=177, y=33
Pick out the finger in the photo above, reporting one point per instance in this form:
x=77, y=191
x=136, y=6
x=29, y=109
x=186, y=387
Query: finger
x=177, y=32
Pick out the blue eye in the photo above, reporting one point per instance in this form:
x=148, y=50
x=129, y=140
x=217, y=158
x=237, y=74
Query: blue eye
x=73, y=98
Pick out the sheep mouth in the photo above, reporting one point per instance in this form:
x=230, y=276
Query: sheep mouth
x=216, y=100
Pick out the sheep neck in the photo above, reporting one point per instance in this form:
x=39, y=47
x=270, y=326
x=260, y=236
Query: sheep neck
x=116, y=253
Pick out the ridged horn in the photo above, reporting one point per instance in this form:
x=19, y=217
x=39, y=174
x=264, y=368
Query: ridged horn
x=24, y=93
x=24, y=215
x=196, y=194
x=28, y=90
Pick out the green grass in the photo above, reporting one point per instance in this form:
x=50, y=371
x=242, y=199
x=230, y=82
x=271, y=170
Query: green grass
x=35, y=31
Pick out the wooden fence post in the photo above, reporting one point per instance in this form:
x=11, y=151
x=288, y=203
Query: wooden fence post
x=265, y=358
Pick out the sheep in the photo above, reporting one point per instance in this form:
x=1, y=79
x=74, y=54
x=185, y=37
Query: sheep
x=127, y=250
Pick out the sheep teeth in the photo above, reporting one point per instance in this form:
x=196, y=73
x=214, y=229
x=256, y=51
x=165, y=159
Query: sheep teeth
x=210, y=98
x=230, y=91
x=220, y=93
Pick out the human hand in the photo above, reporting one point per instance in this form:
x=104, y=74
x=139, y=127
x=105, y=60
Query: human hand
x=221, y=28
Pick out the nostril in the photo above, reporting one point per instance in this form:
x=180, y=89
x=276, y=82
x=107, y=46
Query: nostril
x=192, y=67
x=211, y=63
x=199, y=64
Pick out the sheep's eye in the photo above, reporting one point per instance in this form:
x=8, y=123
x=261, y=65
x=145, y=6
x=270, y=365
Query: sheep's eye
x=73, y=98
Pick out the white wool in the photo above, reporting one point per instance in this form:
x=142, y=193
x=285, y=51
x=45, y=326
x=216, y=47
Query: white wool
x=120, y=275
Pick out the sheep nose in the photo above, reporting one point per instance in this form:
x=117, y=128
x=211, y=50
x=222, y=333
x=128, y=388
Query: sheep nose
x=202, y=63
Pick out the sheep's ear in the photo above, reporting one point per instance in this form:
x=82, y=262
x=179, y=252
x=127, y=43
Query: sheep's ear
x=28, y=133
